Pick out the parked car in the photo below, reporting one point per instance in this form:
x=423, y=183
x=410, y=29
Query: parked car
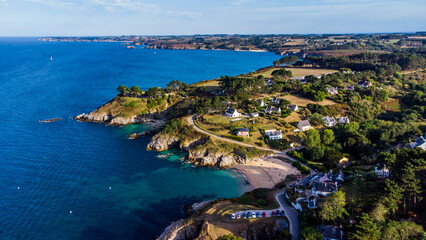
x=233, y=216
x=243, y=215
x=258, y=214
x=264, y=214
x=248, y=214
x=253, y=215
x=282, y=213
x=238, y=216
x=272, y=213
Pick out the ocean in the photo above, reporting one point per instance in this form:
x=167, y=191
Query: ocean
x=75, y=180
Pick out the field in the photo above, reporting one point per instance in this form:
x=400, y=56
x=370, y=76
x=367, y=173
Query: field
x=297, y=72
x=211, y=86
x=303, y=102
x=295, y=42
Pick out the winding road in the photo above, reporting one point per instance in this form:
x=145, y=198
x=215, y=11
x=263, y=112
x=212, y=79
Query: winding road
x=291, y=213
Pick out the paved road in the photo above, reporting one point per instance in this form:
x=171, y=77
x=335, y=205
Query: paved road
x=290, y=212
x=292, y=215
x=191, y=121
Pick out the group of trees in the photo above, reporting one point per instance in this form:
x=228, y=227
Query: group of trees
x=133, y=91
x=369, y=61
x=322, y=147
x=286, y=60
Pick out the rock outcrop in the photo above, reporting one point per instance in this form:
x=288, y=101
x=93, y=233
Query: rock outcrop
x=114, y=120
x=161, y=142
x=181, y=230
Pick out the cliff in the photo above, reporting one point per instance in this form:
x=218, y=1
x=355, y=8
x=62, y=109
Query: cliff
x=123, y=110
x=203, y=150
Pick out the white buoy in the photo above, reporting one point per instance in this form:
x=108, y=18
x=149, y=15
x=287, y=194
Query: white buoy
x=18, y=188
x=70, y=212
x=51, y=58
x=109, y=188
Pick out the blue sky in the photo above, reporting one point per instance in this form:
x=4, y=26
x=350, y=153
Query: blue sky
x=166, y=17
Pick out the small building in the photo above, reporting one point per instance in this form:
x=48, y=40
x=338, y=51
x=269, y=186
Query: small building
x=332, y=90
x=274, y=134
x=276, y=101
x=323, y=189
x=420, y=143
x=243, y=132
x=232, y=113
x=293, y=107
x=304, y=125
x=260, y=102
x=270, y=110
x=269, y=81
x=254, y=114
x=331, y=232
x=381, y=170
x=330, y=121
x=364, y=83
x=344, y=162
x=349, y=88
x=344, y=120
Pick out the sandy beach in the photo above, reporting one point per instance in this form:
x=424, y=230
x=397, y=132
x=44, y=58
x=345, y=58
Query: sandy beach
x=266, y=172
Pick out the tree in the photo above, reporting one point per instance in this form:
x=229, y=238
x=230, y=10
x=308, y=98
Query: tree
x=333, y=206
x=309, y=233
x=327, y=136
x=176, y=86
x=401, y=230
x=136, y=89
x=123, y=90
x=379, y=213
x=282, y=73
x=154, y=92
x=312, y=138
x=366, y=229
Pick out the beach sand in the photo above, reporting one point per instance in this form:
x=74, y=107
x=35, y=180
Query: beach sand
x=266, y=172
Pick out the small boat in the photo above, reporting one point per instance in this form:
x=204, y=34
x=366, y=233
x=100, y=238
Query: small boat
x=162, y=156
x=50, y=120
x=169, y=154
x=51, y=58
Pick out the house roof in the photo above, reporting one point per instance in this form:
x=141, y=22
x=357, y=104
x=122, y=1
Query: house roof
x=243, y=130
x=304, y=123
x=230, y=110
x=274, y=133
x=331, y=232
x=325, y=187
x=292, y=107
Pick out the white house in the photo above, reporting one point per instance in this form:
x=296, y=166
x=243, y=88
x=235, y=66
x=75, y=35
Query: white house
x=421, y=143
x=272, y=110
x=331, y=232
x=293, y=107
x=330, y=121
x=260, y=102
x=276, y=100
x=332, y=90
x=304, y=125
x=232, y=113
x=255, y=114
x=381, y=171
x=269, y=81
x=344, y=120
x=273, y=134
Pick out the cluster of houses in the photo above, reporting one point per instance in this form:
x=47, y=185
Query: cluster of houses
x=331, y=121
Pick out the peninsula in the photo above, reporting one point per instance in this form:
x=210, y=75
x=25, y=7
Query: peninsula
x=330, y=144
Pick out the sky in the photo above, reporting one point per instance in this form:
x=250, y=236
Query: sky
x=185, y=17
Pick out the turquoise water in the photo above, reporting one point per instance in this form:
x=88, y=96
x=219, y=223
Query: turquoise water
x=70, y=166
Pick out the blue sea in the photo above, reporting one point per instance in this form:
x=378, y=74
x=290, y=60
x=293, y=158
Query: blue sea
x=75, y=180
